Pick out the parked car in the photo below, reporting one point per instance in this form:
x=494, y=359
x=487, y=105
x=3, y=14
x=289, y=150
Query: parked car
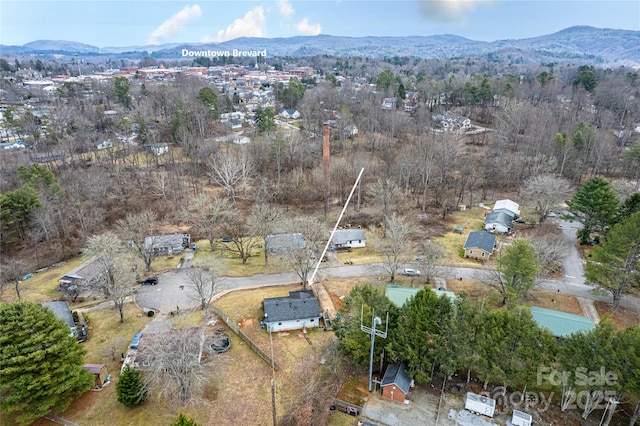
x=149, y=280
x=410, y=272
x=136, y=341
x=226, y=239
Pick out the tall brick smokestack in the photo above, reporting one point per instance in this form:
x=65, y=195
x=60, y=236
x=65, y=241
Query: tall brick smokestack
x=325, y=166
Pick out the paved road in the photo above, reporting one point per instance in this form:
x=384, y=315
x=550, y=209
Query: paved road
x=572, y=264
x=173, y=289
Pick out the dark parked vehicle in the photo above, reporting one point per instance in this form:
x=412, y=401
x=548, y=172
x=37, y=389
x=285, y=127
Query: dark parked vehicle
x=149, y=280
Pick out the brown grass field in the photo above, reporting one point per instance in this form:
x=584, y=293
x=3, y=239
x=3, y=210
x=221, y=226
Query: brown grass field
x=242, y=392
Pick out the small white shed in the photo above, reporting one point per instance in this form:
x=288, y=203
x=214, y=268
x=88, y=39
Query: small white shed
x=479, y=404
x=521, y=418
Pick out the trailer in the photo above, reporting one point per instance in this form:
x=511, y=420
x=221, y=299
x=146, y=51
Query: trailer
x=521, y=418
x=479, y=404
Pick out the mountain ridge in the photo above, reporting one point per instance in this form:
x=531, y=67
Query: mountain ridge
x=596, y=46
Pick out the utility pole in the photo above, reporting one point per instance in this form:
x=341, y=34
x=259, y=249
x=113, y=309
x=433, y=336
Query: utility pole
x=373, y=332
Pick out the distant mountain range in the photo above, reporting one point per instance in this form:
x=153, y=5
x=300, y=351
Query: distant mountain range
x=580, y=44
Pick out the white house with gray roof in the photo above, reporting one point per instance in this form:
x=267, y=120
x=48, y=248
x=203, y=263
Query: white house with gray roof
x=349, y=238
x=298, y=310
x=167, y=244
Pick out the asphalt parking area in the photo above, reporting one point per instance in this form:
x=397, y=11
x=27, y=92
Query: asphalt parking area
x=171, y=293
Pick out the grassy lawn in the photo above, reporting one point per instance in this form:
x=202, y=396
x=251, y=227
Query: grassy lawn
x=162, y=264
x=240, y=374
x=471, y=220
x=229, y=263
x=41, y=287
x=361, y=255
x=622, y=317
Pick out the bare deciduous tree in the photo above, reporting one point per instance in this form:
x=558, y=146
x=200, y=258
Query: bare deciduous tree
x=549, y=247
x=265, y=220
x=302, y=259
x=116, y=346
x=135, y=229
x=116, y=267
x=230, y=169
x=316, y=391
x=385, y=193
x=206, y=214
x=243, y=242
x=395, y=245
x=431, y=258
x=205, y=284
x=544, y=192
x=174, y=366
x=12, y=271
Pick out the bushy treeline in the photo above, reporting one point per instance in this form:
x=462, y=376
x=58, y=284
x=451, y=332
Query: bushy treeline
x=437, y=338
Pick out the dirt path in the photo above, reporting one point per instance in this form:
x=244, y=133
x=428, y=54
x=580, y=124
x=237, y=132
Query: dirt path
x=589, y=309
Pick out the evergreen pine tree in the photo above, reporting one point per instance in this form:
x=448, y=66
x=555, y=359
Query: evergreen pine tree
x=40, y=363
x=130, y=387
x=183, y=420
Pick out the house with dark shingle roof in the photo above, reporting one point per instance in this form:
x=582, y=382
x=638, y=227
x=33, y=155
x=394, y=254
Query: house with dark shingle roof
x=396, y=382
x=349, y=238
x=479, y=245
x=498, y=222
x=62, y=311
x=298, y=310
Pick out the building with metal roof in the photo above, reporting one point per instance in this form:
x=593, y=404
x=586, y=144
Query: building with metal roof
x=510, y=207
x=561, y=324
x=399, y=294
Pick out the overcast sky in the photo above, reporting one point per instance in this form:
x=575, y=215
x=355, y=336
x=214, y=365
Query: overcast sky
x=138, y=22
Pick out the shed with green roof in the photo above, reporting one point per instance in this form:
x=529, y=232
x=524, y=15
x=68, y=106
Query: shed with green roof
x=399, y=294
x=561, y=324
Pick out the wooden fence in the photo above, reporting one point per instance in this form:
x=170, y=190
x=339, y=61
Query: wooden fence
x=244, y=337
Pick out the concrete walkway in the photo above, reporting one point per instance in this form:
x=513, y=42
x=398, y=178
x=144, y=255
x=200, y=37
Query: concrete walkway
x=589, y=309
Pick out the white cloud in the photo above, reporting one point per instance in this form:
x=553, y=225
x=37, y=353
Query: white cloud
x=305, y=28
x=252, y=24
x=447, y=10
x=285, y=8
x=173, y=25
